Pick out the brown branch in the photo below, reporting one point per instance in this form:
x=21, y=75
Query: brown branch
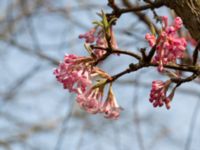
x=196, y=53
x=180, y=81
x=119, y=51
x=113, y=5
x=141, y=8
x=119, y=12
x=145, y=19
x=135, y=67
x=151, y=53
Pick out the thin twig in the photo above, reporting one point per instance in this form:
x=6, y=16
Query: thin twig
x=192, y=125
x=137, y=116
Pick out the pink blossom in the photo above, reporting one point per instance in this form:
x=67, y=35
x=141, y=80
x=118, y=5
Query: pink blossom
x=76, y=75
x=165, y=21
x=73, y=74
x=169, y=46
x=110, y=107
x=97, y=37
x=178, y=23
x=151, y=39
x=89, y=36
x=90, y=100
x=158, y=94
x=100, y=42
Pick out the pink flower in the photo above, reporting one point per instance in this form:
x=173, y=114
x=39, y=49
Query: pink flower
x=151, y=39
x=98, y=38
x=169, y=46
x=90, y=100
x=178, y=23
x=158, y=94
x=110, y=107
x=76, y=74
x=73, y=73
x=100, y=42
x=165, y=21
x=89, y=36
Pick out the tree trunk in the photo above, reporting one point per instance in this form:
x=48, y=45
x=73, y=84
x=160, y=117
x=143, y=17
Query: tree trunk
x=189, y=11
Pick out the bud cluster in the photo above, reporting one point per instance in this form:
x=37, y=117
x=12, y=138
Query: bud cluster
x=169, y=47
x=80, y=75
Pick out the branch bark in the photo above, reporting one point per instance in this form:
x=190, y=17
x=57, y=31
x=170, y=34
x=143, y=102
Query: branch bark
x=189, y=11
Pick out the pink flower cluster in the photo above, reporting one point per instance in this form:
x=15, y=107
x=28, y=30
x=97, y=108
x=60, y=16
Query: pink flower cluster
x=92, y=102
x=89, y=36
x=76, y=74
x=97, y=37
x=73, y=74
x=110, y=107
x=169, y=46
x=158, y=94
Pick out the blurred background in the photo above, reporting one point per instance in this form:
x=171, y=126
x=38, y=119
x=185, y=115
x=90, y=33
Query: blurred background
x=37, y=114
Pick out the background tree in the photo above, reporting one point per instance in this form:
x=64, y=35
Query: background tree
x=37, y=114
